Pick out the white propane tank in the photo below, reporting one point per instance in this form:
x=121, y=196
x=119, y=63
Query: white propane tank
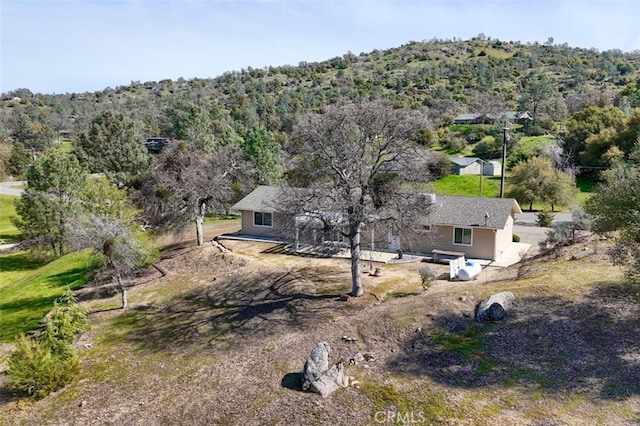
x=470, y=270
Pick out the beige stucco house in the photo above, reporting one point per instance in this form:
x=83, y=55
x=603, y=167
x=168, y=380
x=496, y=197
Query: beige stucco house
x=480, y=228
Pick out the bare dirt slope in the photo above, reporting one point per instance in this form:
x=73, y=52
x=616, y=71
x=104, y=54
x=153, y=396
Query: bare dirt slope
x=221, y=340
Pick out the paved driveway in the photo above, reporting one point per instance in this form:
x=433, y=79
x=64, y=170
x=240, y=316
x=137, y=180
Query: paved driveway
x=529, y=218
x=6, y=188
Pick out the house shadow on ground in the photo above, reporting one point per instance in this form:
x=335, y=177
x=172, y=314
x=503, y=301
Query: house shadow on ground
x=552, y=343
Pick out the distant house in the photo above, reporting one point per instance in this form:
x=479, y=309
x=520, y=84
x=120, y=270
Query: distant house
x=519, y=117
x=514, y=117
x=466, y=166
x=491, y=168
x=480, y=228
x=473, y=166
x=470, y=119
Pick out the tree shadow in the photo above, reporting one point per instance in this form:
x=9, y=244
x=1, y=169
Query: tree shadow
x=69, y=277
x=22, y=261
x=549, y=342
x=232, y=309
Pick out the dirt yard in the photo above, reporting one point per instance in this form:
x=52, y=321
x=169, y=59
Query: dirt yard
x=222, y=338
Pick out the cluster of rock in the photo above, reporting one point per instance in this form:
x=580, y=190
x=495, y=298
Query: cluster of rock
x=317, y=376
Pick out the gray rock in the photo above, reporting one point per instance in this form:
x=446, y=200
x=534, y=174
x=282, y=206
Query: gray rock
x=358, y=357
x=317, y=363
x=496, y=312
x=316, y=375
x=485, y=311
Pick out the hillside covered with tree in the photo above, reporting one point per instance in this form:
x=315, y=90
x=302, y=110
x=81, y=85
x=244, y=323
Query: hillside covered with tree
x=583, y=96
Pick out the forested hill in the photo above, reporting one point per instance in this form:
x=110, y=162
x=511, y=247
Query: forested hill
x=443, y=78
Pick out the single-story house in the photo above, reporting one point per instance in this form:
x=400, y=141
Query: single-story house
x=479, y=227
x=469, y=118
x=473, y=166
x=476, y=227
x=519, y=117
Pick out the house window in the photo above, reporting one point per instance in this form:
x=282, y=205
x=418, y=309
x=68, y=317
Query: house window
x=262, y=219
x=463, y=236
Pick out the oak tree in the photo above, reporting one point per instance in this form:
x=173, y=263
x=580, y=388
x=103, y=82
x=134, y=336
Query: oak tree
x=536, y=181
x=360, y=165
x=615, y=206
x=184, y=184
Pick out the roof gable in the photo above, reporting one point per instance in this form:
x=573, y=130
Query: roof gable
x=261, y=199
x=464, y=161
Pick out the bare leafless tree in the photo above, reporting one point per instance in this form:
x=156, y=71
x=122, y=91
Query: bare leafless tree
x=359, y=166
x=122, y=251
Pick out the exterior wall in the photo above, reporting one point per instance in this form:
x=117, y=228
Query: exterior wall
x=441, y=238
x=504, y=237
x=486, y=243
x=248, y=228
x=471, y=169
x=492, y=168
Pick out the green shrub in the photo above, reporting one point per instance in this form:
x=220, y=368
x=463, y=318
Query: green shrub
x=545, y=218
x=36, y=370
x=453, y=142
x=46, y=362
x=516, y=238
x=440, y=166
x=66, y=319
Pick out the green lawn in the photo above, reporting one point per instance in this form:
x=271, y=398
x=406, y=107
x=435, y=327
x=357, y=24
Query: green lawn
x=536, y=141
x=468, y=186
x=8, y=232
x=29, y=287
x=585, y=186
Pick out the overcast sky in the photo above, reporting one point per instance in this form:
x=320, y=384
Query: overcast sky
x=66, y=46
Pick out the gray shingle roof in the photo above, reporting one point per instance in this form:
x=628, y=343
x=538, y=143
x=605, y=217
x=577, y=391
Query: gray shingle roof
x=261, y=199
x=471, y=211
x=464, y=161
x=470, y=116
x=448, y=210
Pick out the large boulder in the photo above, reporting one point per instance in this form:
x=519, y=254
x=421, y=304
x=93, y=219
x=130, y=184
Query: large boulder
x=316, y=375
x=494, y=307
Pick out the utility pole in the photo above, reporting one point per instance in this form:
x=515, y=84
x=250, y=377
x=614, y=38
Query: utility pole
x=504, y=159
x=481, y=161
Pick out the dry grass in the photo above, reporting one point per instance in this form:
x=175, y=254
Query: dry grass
x=221, y=339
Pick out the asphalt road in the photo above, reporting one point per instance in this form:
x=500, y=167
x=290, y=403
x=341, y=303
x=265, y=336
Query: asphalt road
x=6, y=188
x=529, y=218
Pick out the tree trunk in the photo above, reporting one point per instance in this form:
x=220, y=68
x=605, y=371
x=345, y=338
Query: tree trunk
x=356, y=269
x=199, y=233
x=199, y=221
x=123, y=290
